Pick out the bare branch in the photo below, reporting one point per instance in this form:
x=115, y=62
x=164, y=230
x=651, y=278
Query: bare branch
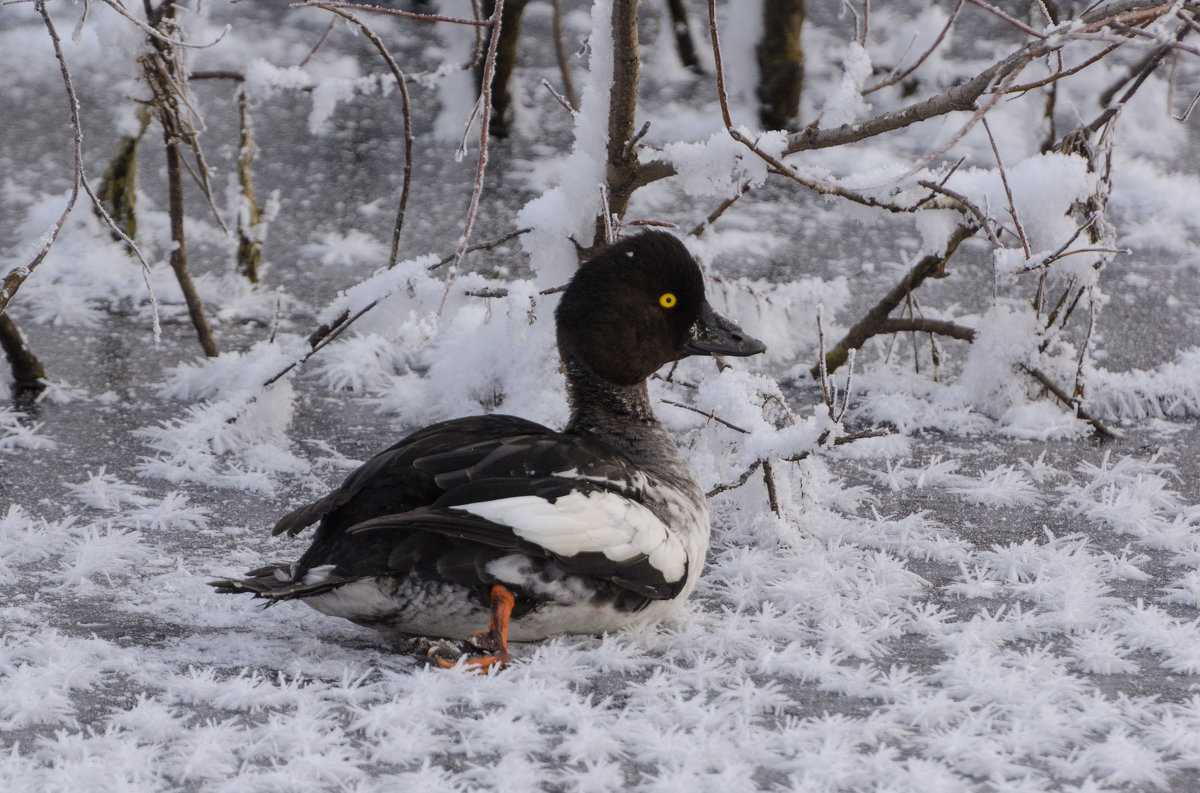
x=406, y=111
x=931, y=265
x=709, y=416
x=1012, y=206
x=564, y=66
x=329, y=6
x=1016, y=23
x=1071, y=402
x=489, y=71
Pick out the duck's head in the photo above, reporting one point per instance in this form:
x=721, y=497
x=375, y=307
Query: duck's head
x=639, y=304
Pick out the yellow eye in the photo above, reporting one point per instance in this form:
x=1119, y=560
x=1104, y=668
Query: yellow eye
x=667, y=300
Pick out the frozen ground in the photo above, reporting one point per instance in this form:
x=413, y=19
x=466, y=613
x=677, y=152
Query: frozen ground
x=988, y=599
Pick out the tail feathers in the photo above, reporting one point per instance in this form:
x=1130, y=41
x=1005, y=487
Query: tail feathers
x=276, y=583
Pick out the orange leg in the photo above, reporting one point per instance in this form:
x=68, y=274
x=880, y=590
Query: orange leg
x=495, y=638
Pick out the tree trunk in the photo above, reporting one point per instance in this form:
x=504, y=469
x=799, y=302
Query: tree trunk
x=179, y=251
x=27, y=370
x=506, y=63
x=622, y=112
x=780, y=62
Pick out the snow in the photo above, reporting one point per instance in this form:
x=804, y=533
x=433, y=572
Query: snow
x=985, y=598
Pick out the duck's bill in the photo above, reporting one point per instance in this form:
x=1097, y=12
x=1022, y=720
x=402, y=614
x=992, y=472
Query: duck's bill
x=715, y=335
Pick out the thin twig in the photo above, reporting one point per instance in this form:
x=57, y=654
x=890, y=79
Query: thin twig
x=840, y=440
x=1012, y=206
x=1018, y=24
x=1068, y=400
x=14, y=279
x=409, y=140
x=562, y=100
x=981, y=218
x=1060, y=74
x=709, y=416
x=392, y=11
x=158, y=35
x=699, y=228
x=489, y=70
x=722, y=97
x=896, y=75
x=560, y=54
x=317, y=46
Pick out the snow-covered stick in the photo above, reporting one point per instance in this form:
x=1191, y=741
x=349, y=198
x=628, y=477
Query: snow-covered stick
x=1072, y=402
x=995, y=78
x=322, y=336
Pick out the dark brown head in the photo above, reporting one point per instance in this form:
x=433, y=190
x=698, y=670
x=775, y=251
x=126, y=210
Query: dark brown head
x=639, y=304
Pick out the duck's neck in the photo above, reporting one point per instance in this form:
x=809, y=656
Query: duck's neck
x=618, y=415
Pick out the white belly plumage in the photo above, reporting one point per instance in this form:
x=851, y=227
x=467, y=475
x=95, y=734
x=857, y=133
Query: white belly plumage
x=448, y=611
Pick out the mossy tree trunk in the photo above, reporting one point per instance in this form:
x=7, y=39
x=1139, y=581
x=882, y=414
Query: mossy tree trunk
x=118, y=186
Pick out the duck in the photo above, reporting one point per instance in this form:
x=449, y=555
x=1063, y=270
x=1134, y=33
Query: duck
x=500, y=521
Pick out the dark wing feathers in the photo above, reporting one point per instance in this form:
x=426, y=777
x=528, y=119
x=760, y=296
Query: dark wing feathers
x=395, y=512
x=390, y=480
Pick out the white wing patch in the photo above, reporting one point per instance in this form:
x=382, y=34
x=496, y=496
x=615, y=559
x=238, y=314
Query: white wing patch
x=595, y=522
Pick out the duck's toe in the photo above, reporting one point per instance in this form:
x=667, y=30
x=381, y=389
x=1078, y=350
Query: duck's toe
x=495, y=638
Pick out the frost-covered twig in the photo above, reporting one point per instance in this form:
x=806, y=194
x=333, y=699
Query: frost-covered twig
x=1061, y=73
x=394, y=12
x=489, y=71
x=896, y=75
x=560, y=54
x=1071, y=402
x=157, y=34
x=980, y=216
x=406, y=112
x=840, y=440
x=1012, y=204
x=322, y=336
x=164, y=71
x=1016, y=23
x=304, y=61
x=828, y=387
x=566, y=102
x=710, y=416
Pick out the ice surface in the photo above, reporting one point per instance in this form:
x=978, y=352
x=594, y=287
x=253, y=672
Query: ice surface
x=985, y=599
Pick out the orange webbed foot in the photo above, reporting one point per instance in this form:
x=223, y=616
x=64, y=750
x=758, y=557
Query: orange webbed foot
x=495, y=638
